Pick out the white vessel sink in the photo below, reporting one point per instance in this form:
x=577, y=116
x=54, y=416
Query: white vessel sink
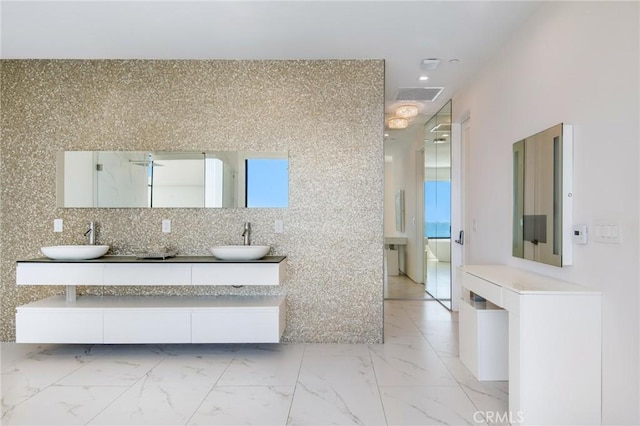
x=240, y=252
x=74, y=252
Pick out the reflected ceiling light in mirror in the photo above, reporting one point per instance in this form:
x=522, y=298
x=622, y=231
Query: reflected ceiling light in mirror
x=407, y=111
x=398, y=123
x=442, y=127
x=440, y=140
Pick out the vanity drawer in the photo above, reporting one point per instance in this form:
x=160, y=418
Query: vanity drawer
x=147, y=274
x=483, y=288
x=238, y=324
x=58, y=326
x=59, y=273
x=237, y=273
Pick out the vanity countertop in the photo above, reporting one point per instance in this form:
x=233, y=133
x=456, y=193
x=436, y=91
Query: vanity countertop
x=177, y=259
x=524, y=282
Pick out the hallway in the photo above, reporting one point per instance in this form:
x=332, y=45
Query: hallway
x=414, y=378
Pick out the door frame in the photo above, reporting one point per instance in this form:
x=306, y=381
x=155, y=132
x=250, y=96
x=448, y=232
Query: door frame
x=459, y=149
x=419, y=215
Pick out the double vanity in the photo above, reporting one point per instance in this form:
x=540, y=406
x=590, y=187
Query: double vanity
x=152, y=319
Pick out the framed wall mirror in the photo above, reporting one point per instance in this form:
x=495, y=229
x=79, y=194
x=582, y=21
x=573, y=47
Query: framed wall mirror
x=542, y=196
x=144, y=179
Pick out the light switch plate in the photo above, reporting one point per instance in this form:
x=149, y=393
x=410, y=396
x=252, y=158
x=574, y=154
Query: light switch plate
x=166, y=226
x=278, y=227
x=57, y=225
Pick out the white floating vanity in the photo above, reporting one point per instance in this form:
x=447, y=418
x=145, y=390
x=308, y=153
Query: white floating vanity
x=549, y=334
x=151, y=319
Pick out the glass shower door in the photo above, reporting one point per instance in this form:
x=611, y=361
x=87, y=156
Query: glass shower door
x=437, y=208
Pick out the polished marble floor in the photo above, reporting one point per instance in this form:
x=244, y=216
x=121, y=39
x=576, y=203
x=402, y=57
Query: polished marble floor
x=414, y=378
x=401, y=287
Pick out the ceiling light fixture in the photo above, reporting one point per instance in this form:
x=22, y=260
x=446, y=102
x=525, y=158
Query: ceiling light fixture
x=398, y=123
x=407, y=111
x=423, y=78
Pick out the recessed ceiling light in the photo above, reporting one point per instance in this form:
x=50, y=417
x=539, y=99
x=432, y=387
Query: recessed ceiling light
x=454, y=61
x=423, y=78
x=386, y=135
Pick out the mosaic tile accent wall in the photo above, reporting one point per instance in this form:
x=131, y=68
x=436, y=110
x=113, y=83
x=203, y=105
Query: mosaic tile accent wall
x=328, y=114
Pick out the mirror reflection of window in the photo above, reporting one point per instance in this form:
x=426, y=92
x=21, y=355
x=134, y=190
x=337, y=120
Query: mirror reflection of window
x=266, y=182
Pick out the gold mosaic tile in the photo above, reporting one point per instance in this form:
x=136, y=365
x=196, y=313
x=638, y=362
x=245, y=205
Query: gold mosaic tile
x=328, y=114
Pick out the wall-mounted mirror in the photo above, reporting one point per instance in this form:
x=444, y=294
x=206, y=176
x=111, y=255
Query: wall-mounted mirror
x=172, y=179
x=542, y=198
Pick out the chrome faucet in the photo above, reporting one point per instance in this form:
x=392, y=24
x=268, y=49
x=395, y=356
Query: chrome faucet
x=247, y=233
x=91, y=233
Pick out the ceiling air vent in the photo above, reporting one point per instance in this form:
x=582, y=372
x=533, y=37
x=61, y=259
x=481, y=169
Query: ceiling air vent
x=420, y=94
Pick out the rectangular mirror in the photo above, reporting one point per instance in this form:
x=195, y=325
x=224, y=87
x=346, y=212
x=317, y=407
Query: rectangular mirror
x=143, y=179
x=542, y=203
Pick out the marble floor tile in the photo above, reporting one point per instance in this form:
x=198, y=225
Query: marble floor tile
x=245, y=405
x=330, y=403
x=354, y=370
x=22, y=379
x=323, y=350
x=402, y=365
x=10, y=353
x=169, y=393
x=154, y=404
x=266, y=365
x=486, y=396
x=62, y=405
x=429, y=406
x=120, y=370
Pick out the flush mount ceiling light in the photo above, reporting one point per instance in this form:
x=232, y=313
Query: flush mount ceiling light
x=407, y=111
x=423, y=78
x=398, y=123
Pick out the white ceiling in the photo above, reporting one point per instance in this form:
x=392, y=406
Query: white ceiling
x=401, y=33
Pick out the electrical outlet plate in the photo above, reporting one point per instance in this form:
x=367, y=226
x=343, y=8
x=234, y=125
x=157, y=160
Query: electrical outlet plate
x=166, y=226
x=57, y=225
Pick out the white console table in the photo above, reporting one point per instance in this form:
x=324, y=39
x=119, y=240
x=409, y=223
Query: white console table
x=151, y=319
x=554, y=343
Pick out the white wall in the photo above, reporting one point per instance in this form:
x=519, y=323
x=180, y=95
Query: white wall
x=576, y=63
